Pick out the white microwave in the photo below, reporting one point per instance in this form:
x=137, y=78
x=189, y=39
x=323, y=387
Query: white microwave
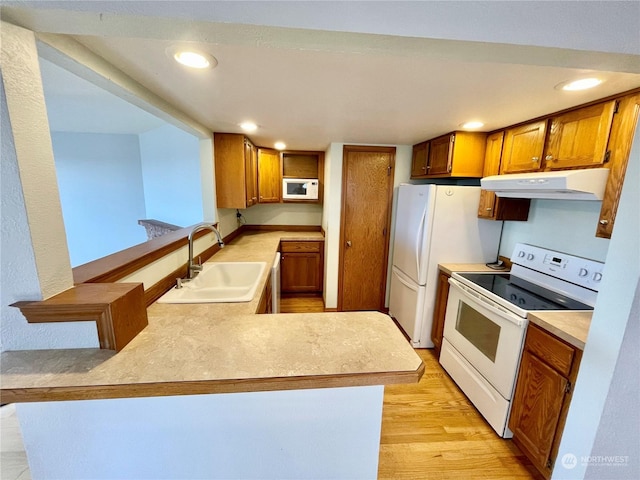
x=300, y=188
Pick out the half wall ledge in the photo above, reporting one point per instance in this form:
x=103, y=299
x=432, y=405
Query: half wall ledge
x=119, y=310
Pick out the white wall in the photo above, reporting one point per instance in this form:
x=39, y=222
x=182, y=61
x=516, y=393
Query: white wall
x=283, y=214
x=18, y=268
x=613, y=312
x=329, y=433
x=171, y=175
x=101, y=191
x=564, y=225
x=34, y=259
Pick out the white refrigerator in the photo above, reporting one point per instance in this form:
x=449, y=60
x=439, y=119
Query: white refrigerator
x=434, y=224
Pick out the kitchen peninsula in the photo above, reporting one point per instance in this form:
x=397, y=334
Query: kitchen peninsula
x=220, y=392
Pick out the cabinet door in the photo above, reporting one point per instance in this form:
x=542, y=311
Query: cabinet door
x=492, y=157
x=523, y=146
x=251, y=172
x=419, y=160
x=301, y=272
x=269, y=176
x=579, y=138
x=230, y=168
x=537, y=405
x=622, y=133
x=440, y=155
x=442, y=294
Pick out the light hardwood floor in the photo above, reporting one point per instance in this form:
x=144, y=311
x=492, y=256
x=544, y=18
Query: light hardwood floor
x=431, y=431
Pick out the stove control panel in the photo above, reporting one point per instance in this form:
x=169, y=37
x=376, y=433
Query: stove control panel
x=580, y=271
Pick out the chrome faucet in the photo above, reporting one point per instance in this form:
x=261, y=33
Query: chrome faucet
x=194, y=268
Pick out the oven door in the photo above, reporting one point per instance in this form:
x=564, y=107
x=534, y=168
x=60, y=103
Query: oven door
x=486, y=334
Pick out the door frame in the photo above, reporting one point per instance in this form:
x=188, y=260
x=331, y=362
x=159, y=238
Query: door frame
x=343, y=204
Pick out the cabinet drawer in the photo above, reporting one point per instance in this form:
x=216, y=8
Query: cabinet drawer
x=553, y=351
x=299, y=247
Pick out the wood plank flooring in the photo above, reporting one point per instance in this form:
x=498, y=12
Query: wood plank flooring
x=430, y=430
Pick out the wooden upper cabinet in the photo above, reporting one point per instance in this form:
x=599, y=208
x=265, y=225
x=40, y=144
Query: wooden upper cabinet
x=579, y=138
x=269, y=176
x=251, y=171
x=234, y=160
x=523, y=147
x=492, y=157
x=622, y=132
x=491, y=207
x=419, y=160
x=441, y=155
x=304, y=164
x=457, y=154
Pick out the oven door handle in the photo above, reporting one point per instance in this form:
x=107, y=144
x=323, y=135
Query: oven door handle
x=482, y=301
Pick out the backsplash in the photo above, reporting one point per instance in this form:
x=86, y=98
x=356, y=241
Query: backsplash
x=564, y=225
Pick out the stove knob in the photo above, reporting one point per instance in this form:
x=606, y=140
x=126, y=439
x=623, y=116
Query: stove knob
x=513, y=297
x=583, y=272
x=521, y=301
x=597, y=277
x=521, y=253
x=530, y=256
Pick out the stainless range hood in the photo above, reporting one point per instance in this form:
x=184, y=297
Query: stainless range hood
x=586, y=184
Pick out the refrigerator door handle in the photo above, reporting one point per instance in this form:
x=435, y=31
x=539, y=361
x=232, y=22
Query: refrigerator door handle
x=405, y=283
x=419, y=237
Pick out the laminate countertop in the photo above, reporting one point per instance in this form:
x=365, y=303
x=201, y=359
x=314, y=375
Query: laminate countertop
x=570, y=326
x=222, y=348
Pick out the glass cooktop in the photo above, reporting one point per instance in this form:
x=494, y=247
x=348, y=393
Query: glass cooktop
x=523, y=294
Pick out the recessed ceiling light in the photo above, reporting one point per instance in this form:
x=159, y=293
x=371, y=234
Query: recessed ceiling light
x=582, y=84
x=191, y=57
x=280, y=146
x=472, y=125
x=248, y=126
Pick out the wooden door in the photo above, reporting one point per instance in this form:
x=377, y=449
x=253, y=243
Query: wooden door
x=419, y=160
x=523, y=146
x=367, y=194
x=579, y=138
x=492, y=157
x=269, y=176
x=537, y=405
x=251, y=172
x=440, y=155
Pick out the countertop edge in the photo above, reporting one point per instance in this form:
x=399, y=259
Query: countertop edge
x=560, y=332
x=135, y=390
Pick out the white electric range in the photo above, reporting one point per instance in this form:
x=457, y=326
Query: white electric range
x=486, y=321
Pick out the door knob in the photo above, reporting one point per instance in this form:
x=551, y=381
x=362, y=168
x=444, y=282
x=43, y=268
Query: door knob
x=348, y=243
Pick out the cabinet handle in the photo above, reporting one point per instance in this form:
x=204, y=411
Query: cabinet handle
x=488, y=209
x=604, y=222
x=348, y=243
x=535, y=159
x=549, y=158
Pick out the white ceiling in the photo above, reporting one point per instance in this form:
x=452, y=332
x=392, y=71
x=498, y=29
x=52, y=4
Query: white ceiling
x=309, y=87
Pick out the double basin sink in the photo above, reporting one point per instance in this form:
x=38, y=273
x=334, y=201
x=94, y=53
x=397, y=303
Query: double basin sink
x=219, y=282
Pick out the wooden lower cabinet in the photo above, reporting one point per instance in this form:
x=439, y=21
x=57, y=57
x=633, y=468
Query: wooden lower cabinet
x=440, y=310
x=301, y=266
x=266, y=300
x=548, y=371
